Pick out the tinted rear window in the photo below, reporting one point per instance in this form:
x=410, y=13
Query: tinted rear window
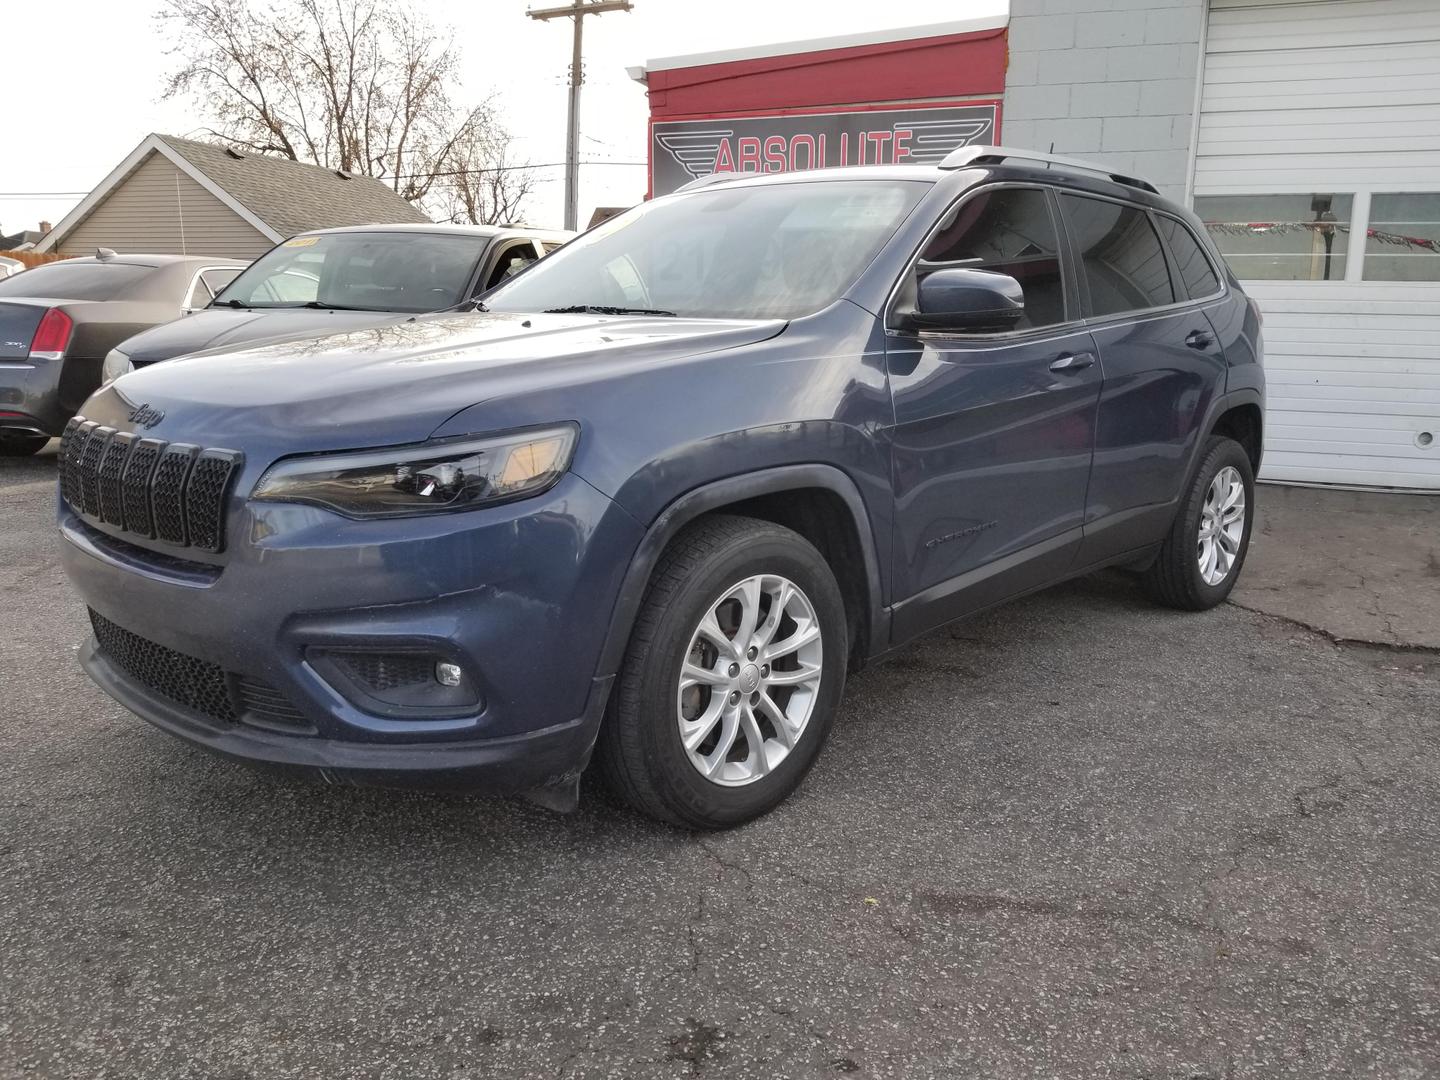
x=1124, y=264
x=1194, y=267
x=76, y=281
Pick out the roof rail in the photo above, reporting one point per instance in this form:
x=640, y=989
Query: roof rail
x=712, y=178
x=990, y=155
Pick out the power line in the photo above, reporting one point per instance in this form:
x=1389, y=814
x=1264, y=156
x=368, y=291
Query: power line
x=576, y=12
x=402, y=176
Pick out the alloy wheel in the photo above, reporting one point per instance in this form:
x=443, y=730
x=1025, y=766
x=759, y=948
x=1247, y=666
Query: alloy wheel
x=1222, y=525
x=750, y=680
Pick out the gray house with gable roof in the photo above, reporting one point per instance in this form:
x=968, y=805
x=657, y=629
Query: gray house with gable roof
x=178, y=196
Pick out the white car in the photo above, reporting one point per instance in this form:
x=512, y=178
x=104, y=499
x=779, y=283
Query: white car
x=9, y=267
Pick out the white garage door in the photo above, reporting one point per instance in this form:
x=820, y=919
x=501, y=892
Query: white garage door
x=1318, y=173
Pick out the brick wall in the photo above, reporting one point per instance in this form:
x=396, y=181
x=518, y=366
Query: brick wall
x=1109, y=80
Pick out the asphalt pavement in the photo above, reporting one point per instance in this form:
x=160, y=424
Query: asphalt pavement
x=1077, y=837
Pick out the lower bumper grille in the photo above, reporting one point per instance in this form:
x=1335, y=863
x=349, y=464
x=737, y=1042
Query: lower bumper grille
x=185, y=680
x=195, y=684
x=264, y=706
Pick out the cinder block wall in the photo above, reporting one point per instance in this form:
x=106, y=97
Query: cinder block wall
x=1111, y=80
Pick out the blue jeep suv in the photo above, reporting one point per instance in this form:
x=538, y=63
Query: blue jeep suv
x=655, y=496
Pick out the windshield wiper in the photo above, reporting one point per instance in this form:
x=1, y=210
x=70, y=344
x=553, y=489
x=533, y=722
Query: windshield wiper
x=317, y=306
x=231, y=304
x=604, y=309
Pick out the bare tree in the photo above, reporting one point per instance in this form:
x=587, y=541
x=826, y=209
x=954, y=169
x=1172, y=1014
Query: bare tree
x=483, y=187
x=359, y=85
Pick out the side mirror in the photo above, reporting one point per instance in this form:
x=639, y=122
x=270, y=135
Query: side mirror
x=956, y=298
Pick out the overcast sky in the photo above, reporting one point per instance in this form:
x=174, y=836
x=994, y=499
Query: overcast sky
x=81, y=83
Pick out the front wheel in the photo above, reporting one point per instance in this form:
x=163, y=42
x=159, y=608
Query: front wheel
x=732, y=678
x=1202, y=557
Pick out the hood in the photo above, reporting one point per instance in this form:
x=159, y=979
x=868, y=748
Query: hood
x=397, y=383
x=224, y=327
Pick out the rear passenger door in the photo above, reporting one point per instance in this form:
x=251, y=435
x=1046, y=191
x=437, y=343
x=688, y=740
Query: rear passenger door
x=993, y=431
x=1162, y=368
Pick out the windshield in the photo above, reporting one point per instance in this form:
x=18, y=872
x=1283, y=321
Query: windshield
x=771, y=251
x=370, y=271
x=76, y=280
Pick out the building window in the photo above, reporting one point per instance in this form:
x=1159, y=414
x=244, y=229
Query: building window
x=1280, y=237
x=1403, y=240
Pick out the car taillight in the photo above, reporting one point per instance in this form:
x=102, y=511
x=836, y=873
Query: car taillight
x=52, y=335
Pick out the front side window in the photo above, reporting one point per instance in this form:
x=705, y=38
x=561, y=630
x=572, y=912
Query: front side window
x=1280, y=237
x=1008, y=231
x=1403, y=241
x=1123, y=262
x=1190, y=258
x=364, y=271
x=78, y=281
x=776, y=250
x=200, y=294
x=217, y=279
x=511, y=261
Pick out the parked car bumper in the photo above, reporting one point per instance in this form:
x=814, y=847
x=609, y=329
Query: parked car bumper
x=495, y=592
x=30, y=399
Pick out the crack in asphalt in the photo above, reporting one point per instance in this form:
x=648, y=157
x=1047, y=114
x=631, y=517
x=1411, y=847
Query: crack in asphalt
x=1339, y=639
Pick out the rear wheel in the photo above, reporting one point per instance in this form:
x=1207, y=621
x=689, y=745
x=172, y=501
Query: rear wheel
x=732, y=678
x=1202, y=557
x=21, y=445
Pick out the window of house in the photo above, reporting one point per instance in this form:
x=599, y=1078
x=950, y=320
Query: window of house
x=1403, y=240
x=1280, y=237
x=1190, y=258
x=1009, y=231
x=1124, y=264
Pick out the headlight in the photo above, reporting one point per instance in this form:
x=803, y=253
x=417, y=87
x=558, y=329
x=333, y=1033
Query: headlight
x=116, y=364
x=450, y=475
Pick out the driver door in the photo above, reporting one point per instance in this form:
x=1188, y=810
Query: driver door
x=994, y=432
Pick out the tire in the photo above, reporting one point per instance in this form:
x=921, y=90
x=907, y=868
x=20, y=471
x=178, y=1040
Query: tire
x=640, y=752
x=1177, y=578
x=22, y=445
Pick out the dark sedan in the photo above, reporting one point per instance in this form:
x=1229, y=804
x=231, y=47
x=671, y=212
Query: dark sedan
x=58, y=321
x=345, y=279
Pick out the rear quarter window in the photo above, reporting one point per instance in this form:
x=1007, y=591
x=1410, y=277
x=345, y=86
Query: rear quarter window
x=1190, y=259
x=77, y=281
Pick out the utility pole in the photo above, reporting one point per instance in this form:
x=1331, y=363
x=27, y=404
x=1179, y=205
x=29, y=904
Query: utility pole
x=577, y=11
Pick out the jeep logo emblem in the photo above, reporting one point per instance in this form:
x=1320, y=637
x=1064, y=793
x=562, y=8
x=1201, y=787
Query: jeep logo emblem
x=146, y=416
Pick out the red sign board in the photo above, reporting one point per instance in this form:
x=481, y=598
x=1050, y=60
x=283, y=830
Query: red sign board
x=684, y=150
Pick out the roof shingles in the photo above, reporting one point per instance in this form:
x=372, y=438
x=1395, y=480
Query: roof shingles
x=292, y=196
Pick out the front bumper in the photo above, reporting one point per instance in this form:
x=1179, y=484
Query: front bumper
x=520, y=595
x=550, y=757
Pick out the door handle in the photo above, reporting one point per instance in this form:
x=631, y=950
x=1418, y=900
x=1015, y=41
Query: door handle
x=1198, y=339
x=1073, y=362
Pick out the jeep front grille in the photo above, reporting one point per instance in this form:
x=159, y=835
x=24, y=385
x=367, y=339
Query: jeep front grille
x=167, y=491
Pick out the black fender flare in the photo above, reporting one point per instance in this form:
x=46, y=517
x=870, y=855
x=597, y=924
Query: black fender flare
x=1223, y=403
x=715, y=496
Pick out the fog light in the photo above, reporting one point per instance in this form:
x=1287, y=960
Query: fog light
x=405, y=681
